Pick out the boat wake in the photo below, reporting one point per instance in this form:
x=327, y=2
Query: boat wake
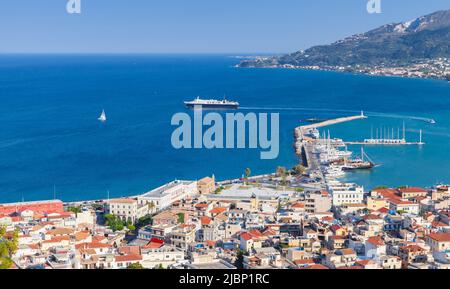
x=418, y=118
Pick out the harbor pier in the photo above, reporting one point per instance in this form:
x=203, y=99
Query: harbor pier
x=304, y=144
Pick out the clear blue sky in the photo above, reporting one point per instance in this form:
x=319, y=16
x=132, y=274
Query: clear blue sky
x=192, y=26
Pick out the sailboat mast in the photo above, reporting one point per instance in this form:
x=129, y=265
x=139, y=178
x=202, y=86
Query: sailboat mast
x=404, y=131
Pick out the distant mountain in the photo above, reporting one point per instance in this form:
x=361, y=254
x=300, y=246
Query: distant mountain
x=399, y=44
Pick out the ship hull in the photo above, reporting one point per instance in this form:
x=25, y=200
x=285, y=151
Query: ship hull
x=359, y=167
x=213, y=106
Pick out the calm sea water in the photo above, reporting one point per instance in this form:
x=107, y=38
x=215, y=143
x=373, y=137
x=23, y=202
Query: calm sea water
x=50, y=136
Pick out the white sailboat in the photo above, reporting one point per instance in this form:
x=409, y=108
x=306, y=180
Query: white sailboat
x=102, y=117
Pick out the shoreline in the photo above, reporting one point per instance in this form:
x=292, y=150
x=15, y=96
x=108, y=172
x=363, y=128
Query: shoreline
x=345, y=72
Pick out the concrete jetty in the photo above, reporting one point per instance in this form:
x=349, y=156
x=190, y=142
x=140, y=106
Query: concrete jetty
x=333, y=121
x=382, y=143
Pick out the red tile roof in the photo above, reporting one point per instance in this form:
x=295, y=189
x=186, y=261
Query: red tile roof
x=217, y=210
x=128, y=258
x=440, y=237
x=298, y=205
x=93, y=245
x=412, y=248
x=304, y=262
x=371, y=217
x=246, y=236
x=376, y=241
x=334, y=228
x=133, y=250
x=57, y=239
x=256, y=233
x=412, y=190
x=201, y=206
x=205, y=220
x=383, y=210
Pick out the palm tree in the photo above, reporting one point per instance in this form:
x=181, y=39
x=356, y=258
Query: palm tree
x=151, y=206
x=282, y=172
x=248, y=172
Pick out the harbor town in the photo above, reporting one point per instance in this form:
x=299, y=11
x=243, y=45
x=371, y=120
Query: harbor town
x=303, y=217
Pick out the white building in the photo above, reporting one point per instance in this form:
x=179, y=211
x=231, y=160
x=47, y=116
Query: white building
x=164, y=196
x=345, y=193
x=165, y=255
x=127, y=209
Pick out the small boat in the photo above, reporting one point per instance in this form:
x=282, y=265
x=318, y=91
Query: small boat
x=102, y=117
x=315, y=120
x=432, y=121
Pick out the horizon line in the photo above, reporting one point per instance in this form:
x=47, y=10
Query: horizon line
x=142, y=53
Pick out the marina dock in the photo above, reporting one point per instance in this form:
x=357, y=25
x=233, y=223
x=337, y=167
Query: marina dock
x=304, y=145
x=322, y=157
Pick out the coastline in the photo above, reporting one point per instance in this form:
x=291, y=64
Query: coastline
x=353, y=72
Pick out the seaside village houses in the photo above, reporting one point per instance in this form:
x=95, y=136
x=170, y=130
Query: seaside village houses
x=204, y=224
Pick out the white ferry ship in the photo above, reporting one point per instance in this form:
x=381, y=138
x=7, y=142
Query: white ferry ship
x=212, y=103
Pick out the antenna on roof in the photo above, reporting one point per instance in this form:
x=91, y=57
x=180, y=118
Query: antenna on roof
x=54, y=192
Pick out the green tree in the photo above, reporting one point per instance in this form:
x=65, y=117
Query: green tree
x=282, y=172
x=135, y=266
x=299, y=170
x=239, y=263
x=219, y=189
x=181, y=218
x=115, y=223
x=75, y=210
x=144, y=221
x=279, y=207
x=8, y=246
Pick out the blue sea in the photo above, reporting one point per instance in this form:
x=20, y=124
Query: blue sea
x=51, y=142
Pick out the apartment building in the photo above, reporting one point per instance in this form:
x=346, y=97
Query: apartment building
x=317, y=202
x=127, y=209
x=345, y=193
